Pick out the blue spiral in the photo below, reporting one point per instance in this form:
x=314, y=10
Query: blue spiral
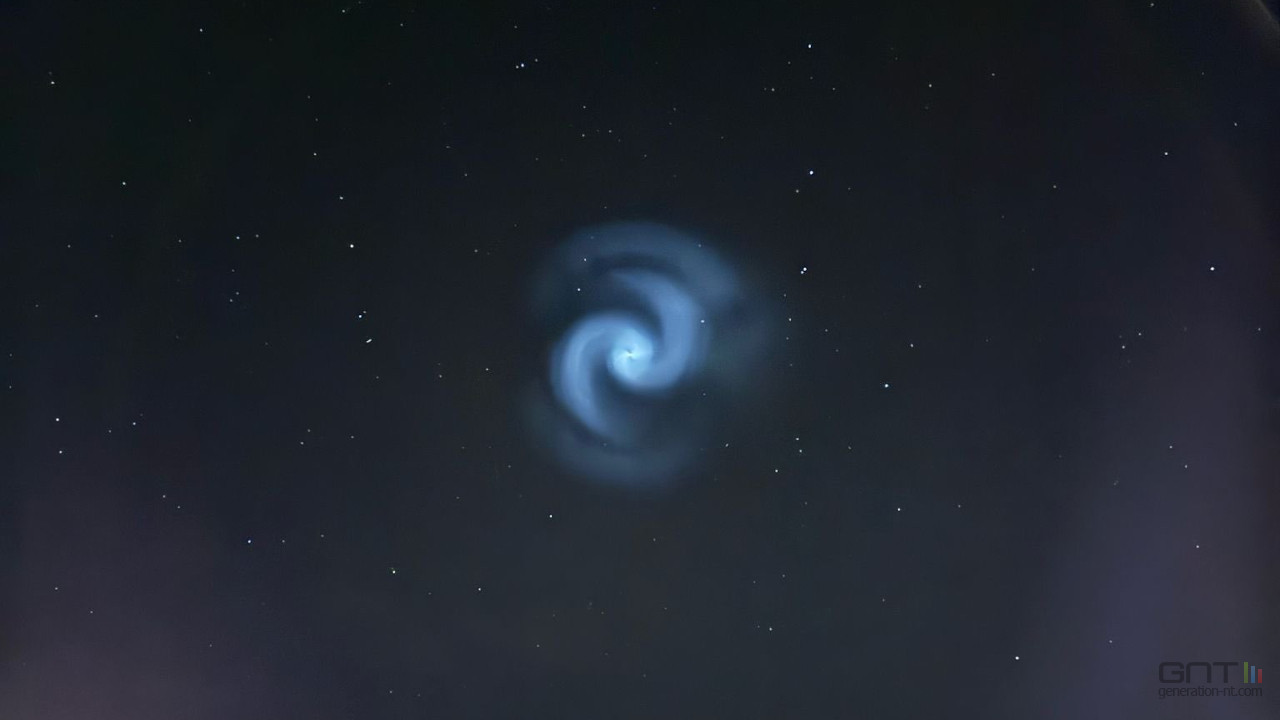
x=639, y=311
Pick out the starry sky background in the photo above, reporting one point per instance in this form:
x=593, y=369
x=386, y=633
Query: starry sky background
x=264, y=333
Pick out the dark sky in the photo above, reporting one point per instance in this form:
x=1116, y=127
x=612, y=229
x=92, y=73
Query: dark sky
x=265, y=341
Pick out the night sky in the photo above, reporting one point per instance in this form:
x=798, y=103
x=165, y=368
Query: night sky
x=989, y=428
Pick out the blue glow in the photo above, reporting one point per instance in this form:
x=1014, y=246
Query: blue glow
x=636, y=308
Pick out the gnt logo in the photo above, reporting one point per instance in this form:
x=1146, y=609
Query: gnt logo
x=1176, y=672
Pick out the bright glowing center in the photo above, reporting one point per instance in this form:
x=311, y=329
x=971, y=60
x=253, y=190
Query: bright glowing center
x=632, y=355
